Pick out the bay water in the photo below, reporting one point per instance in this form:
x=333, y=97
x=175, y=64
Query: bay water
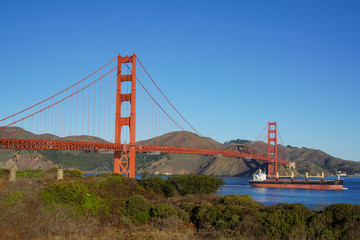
x=313, y=198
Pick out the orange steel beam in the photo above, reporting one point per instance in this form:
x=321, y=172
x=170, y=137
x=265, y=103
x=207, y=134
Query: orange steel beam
x=93, y=146
x=57, y=145
x=123, y=164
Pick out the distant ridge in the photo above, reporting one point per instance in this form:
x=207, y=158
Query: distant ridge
x=180, y=138
x=18, y=132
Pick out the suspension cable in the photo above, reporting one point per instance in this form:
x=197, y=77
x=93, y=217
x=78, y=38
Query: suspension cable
x=173, y=105
x=59, y=100
x=58, y=92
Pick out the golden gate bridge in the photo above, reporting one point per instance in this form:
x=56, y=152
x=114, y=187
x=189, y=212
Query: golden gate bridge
x=117, y=108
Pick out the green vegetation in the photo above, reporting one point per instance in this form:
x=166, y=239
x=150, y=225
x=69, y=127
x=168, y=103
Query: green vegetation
x=182, y=184
x=110, y=206
x=285, y=220
x=194, y=184
x=73, y=173
x=225, y=213
x=67, y=173
x=239, y=141
x=158, y=185
x=162, y=210
x=138, y=208
x=84, y=161
x=80, y=196
x=30, y=173
x=12, y=198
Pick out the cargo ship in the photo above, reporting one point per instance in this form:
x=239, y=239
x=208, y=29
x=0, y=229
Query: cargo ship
x=259, y=180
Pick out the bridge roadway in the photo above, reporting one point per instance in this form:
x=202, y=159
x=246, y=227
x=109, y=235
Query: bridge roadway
x=96, y=146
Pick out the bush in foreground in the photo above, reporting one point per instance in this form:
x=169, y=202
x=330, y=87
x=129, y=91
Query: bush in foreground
x=31, y=173
x=138, y=208
x=79, y=196
x=182, y=184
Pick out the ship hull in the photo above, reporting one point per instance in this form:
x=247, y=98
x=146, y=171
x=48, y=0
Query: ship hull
x=337, y=184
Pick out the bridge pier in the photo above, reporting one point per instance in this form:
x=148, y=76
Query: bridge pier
x=12, y=177
x=60, y=173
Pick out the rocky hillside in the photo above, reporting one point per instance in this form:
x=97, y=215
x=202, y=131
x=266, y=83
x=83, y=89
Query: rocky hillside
x=24, y=159
x=312, y=160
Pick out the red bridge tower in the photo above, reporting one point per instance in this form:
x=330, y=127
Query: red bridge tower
x=124, y=161
x=272, y=148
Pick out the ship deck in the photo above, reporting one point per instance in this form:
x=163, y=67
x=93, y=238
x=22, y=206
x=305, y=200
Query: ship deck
x=310, y=184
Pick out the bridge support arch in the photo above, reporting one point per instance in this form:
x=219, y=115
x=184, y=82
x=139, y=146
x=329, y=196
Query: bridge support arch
x=124, y=161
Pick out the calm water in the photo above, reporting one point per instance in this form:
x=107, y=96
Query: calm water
x=309, y=197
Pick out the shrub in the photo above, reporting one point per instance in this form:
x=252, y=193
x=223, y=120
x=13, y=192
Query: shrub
x=158, y=185
x=154, y=183
x=76, y=195
x=241, y=200
x=279, y=221
x=226, y=214
x=139, y=208
x=195, y=184
x=141, y=217
x=73, y=173
x=136, y=204
x=187, y=206
x=31, y=173
x=111, y=177
x=65, y=193
x=13, y=197
x=325, y=234
x=183, y=215
x=162, y=211
x=342, y=211
x=199, y=215
x=182, y=184
x=339, y=220
x=219, y=216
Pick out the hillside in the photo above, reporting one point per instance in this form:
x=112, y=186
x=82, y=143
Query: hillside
x=17, y=132
x=180, y=139
x=307, y=160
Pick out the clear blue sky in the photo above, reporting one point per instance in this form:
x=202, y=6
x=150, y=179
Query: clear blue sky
x=229, y=66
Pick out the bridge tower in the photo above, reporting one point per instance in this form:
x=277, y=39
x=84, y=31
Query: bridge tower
x=272, y=148
x=124, y=161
